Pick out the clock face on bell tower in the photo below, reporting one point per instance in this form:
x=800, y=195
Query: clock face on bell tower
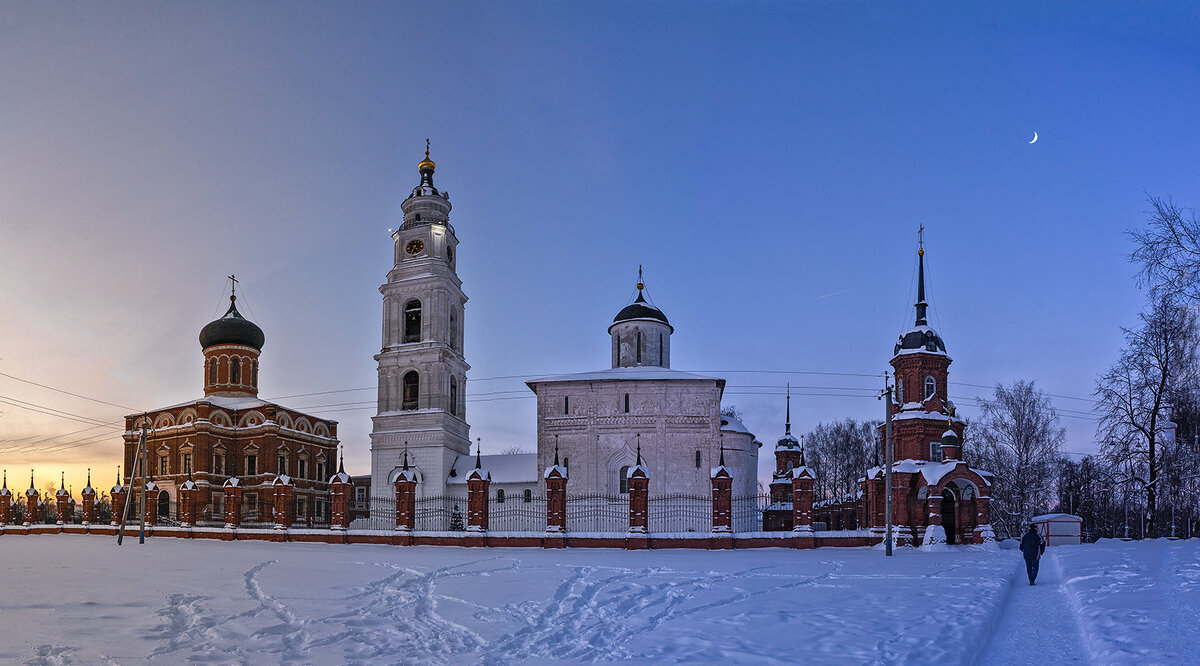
x=414, y=246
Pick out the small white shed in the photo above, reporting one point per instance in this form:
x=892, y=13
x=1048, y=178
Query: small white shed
x=1059, y=529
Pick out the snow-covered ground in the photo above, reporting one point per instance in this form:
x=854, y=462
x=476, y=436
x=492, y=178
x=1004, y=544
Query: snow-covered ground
x=78, y=599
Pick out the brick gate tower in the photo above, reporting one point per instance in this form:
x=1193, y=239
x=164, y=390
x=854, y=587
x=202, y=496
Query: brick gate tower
x=422, y=370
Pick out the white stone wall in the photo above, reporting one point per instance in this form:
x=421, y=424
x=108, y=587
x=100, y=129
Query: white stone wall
x=655, y=343
x=676, y=419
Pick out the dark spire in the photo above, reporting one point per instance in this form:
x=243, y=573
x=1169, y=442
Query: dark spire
x=89, y=476
x=787, y=426
x=639, y=454
x=802, y=463
x=722, y=463
x=556, y=450
x=118, y=475
x=404, y=461
x=6, y=478
x=478, y=452
x=922, y=306
x=31, y=478
x=62, y=480
x=341, y=460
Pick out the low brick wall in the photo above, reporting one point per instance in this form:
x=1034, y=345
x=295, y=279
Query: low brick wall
x=697, y=540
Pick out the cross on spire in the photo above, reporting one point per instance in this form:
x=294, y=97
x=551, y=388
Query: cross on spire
x=787, y=426
x=922, y=306
x=640, y=284
x=426, y=148
x=233, y=288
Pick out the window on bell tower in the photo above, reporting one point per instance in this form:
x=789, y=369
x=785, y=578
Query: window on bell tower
x=453, y=396
x=930, y=387
x=411, y=382
x=412, y=321
x=212, y=371
x=235, y=370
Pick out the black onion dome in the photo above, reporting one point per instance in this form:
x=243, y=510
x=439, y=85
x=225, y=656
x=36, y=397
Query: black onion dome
x=232, y=329
x=920, y=337
x=640, y=309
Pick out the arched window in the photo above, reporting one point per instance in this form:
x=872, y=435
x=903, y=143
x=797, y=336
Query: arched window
x=212, y=371
x=412, y=321
x=164, y=505
x=623, y=480
x=410, y=382
x=900, y=391
x=528, y=495
x=566, y=404
x=453, y=396
x=626, y=403
x=254, y=373
x=453, y=332
x=697, y=460
x=660, y=348
x=930, y=387
x=567, y=464
x=235, y=370
x=639, y=347
x=499, y=495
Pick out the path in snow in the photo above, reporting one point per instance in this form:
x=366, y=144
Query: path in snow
x=1039, y=615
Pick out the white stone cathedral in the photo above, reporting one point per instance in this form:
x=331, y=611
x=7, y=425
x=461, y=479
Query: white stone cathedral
x=599, y=421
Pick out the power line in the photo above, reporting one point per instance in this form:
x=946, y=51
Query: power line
x=75, y=395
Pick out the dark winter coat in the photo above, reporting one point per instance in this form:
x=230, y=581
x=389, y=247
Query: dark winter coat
x=1032, y=545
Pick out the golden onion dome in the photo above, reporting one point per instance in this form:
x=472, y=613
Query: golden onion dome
x=426, y=164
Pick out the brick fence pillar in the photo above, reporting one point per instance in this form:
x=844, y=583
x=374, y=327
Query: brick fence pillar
x=722, y=498
x=117, y=496
x=406, y=500
x=556, y=502
x=283, y=490
x=62, y=503
x=802, y=501
x=479, y=483
x=88, y=497
x=638, y=480
x=233, y=503
x=5, y=502
x=339, y=510
x=187, y=502
x=150, y=492
x=31, y=502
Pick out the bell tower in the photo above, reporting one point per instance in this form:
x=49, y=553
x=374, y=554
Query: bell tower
x=422, y=370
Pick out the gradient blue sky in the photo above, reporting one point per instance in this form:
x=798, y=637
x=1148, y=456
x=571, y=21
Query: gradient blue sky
x=768, y=163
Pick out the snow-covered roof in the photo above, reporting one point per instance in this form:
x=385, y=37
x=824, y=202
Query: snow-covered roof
x=504, y=468
x=797, y=472
x=1059, y=517
x=718, y=470
x=562, y=471
x=6, y=492
x=732, y=424
x=642, y=468
x=340, y=477
x=643, y=373
x=232, y=481
x=282, y=480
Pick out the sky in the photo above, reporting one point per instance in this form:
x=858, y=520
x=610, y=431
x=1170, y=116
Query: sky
x=768, y=164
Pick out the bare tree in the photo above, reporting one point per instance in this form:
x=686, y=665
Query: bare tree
x=1168, y=251
x=1157, y=362
x=1018, y=438
x=839, y=454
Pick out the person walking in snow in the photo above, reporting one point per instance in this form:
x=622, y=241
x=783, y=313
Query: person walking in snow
x=1032, y=547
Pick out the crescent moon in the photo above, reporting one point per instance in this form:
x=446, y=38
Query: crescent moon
x=1034, y=138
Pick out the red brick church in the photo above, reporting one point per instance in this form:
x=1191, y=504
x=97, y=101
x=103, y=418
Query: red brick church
x=230, y=437
x=936, y=497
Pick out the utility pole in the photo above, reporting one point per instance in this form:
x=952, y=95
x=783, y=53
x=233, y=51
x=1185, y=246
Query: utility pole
x=887, y=470
x=142, y=496
x=137, y=460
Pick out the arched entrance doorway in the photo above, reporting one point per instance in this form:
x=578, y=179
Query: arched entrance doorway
x=164, y=505
x=948, y=515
